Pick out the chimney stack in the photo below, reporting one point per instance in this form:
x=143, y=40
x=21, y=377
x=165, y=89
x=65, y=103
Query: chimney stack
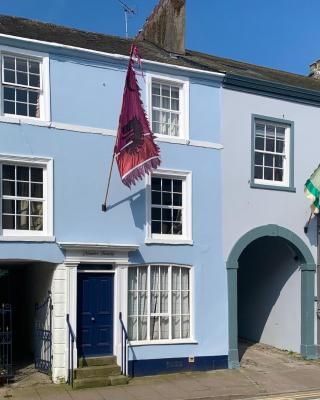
x=166, y=26
x=315, y=70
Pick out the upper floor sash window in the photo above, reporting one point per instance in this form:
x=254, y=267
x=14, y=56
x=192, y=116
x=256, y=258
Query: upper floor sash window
x=25, y=84
x=272, y=155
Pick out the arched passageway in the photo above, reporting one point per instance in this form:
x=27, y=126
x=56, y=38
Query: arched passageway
x=271, y=291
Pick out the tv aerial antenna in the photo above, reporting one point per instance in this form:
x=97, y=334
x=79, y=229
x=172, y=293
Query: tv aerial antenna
x=127, y=10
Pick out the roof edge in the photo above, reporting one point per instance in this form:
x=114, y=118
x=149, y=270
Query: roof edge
x=271, y=89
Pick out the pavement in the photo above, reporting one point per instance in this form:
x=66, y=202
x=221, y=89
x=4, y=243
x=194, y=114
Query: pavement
x=265, y=373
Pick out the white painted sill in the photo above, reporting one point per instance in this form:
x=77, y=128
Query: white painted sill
x=188, y=242
x=162, y=342
x=27, y=238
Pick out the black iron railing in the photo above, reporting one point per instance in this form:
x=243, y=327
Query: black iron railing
x=71, y=344
x=124, y=346
x=6, y=366
x=43, y=335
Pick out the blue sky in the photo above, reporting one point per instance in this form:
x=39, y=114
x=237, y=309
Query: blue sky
x=281, y=34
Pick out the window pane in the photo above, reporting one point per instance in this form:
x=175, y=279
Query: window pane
x=22, y=78
x=174, y=104
x=155, y=303
x=154, y=328
x=278, y=161
x=258, y=159
x=177, y=185
x=23, y=222
x=185, y=278
x=9, y=93
x=22, y=109
x=9, y=107
x=166, y=228
x=174, y=92
x=33, y=97
x=259, y=143
x=270, y=144
x=260, y=129
x=280, y=132
x=155, y=127
x=8, y=188
x=177, y=215
x=142, y=278
x=132, y=328
x=34, y=67
x=163, y=278
x=167, y=214
x=23, y=189
x=278, y=175
x=164, y=302
x=132, y=278
x=8, y=206
x=36, y=223
x=142, y=303
x=33, y=111
x=142, y=328
x=176, y=303
x=258, y=172
x=268, y=174
x=9, y=62
x=175, y=327
x=37, y=174
x=165, y=90
x=154, y=278
x=8, y=222
x=23, y=173
x=175, y=278
x=185, y=327
x=167, y=185
x=280, y=146
x=133, y=303
x=156, y=214
x=36, y=190
x=34, y=80
x=9, y=76
x=268, y=160
x=177, y=199
x=22, y=65
x=270, y=131
x=156, y=197
x=167, y=199
x=8, y=172
x=185, y=308
x=155, y=115
x=156, y=183
x=22, y=95
x=23, y=207
x=177, y=228
x=36, y=208
x=156, y=88
x=164, y=327
x=166, y=103
x=156, y=227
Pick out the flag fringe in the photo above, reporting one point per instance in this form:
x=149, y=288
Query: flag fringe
x=140, y=171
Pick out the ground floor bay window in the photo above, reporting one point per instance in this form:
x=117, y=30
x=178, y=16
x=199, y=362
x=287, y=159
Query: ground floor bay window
x=159, y=303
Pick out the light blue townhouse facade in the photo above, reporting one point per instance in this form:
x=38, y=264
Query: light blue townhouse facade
x=156, y=255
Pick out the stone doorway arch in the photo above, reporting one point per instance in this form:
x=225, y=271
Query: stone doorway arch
x=308, y=268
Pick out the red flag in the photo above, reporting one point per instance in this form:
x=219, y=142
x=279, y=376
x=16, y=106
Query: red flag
x=135, y=150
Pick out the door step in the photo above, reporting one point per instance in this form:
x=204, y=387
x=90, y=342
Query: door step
x=97, y=372
x=96, y=361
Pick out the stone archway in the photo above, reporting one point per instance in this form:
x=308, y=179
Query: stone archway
x=308, y=268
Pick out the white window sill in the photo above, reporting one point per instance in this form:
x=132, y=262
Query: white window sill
x=169, y=241
x=162, y=342
x=27, y=238
x=18, y=119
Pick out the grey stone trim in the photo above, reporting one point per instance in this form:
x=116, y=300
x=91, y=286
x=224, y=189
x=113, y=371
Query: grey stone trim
x=308, y=268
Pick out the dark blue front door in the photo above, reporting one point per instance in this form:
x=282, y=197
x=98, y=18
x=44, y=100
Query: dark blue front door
x=95, y=314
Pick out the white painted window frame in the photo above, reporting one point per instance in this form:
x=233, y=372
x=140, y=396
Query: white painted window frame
x=43, y=58
x=184, y=87
x=191, y=339
x=186, y=237
x=286, y=163
x=26, y=235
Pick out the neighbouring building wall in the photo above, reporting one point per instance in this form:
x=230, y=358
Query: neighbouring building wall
x=246, y=208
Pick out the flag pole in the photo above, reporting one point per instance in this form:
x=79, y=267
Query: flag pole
x=104, y=204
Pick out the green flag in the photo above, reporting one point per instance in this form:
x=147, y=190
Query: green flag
x=312, y=190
